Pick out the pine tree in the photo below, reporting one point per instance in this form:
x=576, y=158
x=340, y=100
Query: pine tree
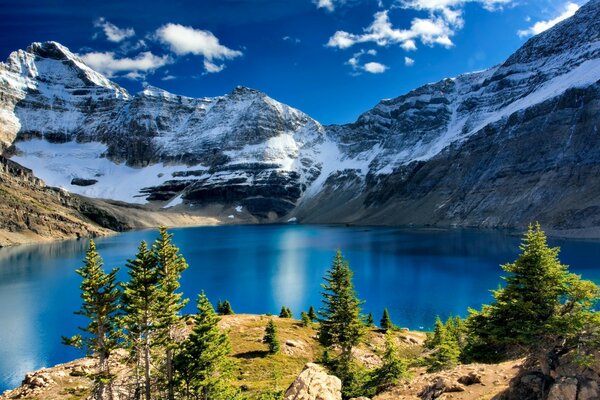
x=312, y=313
x=203, y=366
x=340, y=320
x=386, y=322
x=285, y=312
x=370, y=322
x=270, y=337
x=393, y=367
x=306, y=321
x=170, y=265
x=224, y=308
x=100, y=295
x=140, y=301
x=455, y=326
x=439, y=331
x=543, y=308
x=445, y=355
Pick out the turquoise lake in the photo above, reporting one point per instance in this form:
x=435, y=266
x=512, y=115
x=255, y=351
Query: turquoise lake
x=417, y=274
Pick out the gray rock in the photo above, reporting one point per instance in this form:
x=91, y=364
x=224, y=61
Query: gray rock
x=314, y=383
x=588, y=390
x=563, y=389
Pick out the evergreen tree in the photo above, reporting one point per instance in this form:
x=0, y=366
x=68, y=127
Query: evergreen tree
x=270, y=337
x=370, y=322
x=170, y=265
x=306, y=321
x=455, y=327
x=140, y=301
x=439, y=331
x=203, y=367
x=224, y=308
x=100, y=295
x=543, y=308
x=393, y=367
x=445, y=355
x=340, y=320
x=386, y=322
x=285, y=312
x=312, y=313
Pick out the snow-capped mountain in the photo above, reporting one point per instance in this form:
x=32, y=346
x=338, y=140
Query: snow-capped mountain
x=499, y=147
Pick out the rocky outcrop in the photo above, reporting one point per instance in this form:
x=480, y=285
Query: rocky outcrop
x=569, y=379
x=314, y=383
x=31, y=211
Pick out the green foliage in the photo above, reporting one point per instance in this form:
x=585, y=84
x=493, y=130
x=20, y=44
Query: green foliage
x=285, y=312
x=445, y=344
x=272, y=395
x=341, y=325
x=393, y=368
x=439, y=331
x=224, y=308
x=340, y=322
x=170, y=265
x=203, y=367
x=444, y=356
x=386, y=322
x=456, y=328
x=306, y=321
x=140, y=301
x=100, y=296
x=270, y=337
x=355, y=377
x=369, y=321
x=543, y=309
x=312, y=314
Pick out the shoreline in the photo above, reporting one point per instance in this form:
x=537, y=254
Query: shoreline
x=144, y=218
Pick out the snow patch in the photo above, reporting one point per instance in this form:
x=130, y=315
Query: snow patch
x=57, y=164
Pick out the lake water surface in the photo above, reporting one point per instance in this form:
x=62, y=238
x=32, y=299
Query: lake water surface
x=417, y=274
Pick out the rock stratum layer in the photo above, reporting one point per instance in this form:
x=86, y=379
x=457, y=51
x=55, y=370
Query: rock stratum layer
x=497, y=148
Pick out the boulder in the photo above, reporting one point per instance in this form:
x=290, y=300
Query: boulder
x=314, y=383
x=470, y=379
x=563, y=389
x=438, y=388
x=588, y=390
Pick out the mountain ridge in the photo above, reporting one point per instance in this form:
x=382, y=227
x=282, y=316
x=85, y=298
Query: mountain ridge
x=244, y=150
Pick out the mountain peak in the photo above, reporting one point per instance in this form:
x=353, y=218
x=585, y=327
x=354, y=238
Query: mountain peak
x=55, y=64
x=243, y=90
x=51, y=50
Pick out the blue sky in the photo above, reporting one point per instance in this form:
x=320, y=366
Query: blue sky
x=332, y=59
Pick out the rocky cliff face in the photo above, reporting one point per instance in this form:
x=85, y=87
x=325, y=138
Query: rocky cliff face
x=30, y=211
x=500, y=147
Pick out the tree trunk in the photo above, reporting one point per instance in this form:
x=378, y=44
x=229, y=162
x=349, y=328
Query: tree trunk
x=147, y=367
x=170, y=387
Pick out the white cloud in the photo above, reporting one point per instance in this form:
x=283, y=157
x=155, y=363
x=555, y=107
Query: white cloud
x=441, y=5
x=187, y=40
x=371, y=67
x=375, y=67
x=107, y=64
x=329, y=5
x=212, y=68
x=430, y=31
x=409, y=62
x=444, y=18
x=541, y=26
x=291, y=39
x=113, y=33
